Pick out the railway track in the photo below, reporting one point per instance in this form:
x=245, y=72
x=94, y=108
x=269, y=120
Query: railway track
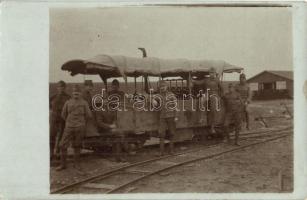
x=118, y=180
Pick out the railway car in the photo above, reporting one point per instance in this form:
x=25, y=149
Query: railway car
x=138, y=125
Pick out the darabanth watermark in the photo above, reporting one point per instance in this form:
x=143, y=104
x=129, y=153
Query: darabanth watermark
x=156, y=101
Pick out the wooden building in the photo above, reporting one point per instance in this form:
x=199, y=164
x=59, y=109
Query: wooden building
x=272, y=85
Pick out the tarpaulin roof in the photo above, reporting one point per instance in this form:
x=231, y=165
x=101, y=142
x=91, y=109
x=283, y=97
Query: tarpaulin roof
x=116, y=66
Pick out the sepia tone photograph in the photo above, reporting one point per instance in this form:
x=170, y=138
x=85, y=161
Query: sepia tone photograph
x=171, y=99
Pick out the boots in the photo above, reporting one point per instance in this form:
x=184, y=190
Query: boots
x=117, y=151
x=77, y=158
x=63, y=160
x=247, y=121
x=226, y=135
x=171, y=146
x=213, y=132
x=161, y=147
x=77, y=164
x=236, y=137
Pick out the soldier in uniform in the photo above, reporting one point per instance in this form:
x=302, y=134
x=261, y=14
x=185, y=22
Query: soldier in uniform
x=115, y=94
x=243, y=89
x=75, y=113
x=115, y=90
x=87, y=93
x=212, y=87
x=106, y=123
x=167, y=117
x=233, y=103
x=57, y=124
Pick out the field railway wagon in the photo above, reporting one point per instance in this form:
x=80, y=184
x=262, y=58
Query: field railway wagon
x=140, y=125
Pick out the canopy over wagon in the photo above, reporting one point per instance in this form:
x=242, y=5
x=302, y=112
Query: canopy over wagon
x=108, y=66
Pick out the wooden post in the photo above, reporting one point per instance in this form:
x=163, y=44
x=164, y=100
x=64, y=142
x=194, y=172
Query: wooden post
x=280, y=180
x=189, y=83
x=135, y=85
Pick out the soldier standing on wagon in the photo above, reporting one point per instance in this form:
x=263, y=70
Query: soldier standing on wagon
x=75, y=113
x=214, y=89
x=233, y=104
x=167, y=117
x=115, y=90
x=244, y=91
x=57, y=124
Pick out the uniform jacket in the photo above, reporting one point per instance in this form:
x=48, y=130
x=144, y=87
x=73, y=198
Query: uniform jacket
x=56, y=104
x=233, y=102
x=75, y=113
x=244, y=91
x=165, y=112
x=88, y=98
x=105, y=118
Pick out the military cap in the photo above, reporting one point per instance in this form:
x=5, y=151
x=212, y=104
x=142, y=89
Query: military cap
x=76, y=88
x=115, y=82
x=162, y=83
x=242, y=75
x=62, y=83
x=88, y=83
x=212, y=69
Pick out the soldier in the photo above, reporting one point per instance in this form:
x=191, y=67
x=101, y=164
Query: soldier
x=115, y=94
x=115, y=90
x=167, y=117
x=75, y=113
x=106, y=124
x=244, y=91
x=213, y=88
x=57, y=124
x=87, y=93
x=215, y=91
x=233, y=104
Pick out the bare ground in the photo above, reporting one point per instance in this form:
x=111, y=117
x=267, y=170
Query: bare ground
x=259, y=168
x=256, y=169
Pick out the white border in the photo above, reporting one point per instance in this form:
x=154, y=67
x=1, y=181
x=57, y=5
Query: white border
x=24, y=66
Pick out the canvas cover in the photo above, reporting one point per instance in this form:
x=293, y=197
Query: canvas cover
x=116, y=66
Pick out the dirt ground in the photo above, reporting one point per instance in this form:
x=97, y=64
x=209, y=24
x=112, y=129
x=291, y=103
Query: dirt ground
x=254, y=169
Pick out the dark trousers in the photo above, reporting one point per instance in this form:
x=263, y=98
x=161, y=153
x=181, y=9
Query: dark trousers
x=232, y=118
x=75, y=136
x=56, y=132
x=170, y=125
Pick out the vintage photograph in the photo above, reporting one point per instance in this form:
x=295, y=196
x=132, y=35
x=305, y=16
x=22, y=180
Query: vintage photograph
x=171, y=99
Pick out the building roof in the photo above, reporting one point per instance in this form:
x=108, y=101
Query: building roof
x=271, y=76
x=285, y=74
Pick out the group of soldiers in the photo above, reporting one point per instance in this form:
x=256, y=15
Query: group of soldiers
x=69, y=114
x=236, y=101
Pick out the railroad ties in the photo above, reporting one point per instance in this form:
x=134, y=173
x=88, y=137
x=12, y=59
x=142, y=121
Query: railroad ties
x=121, y=180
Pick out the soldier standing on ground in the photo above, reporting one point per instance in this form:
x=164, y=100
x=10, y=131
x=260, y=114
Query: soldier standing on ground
x=57, y=124
x=75, y=113
x=106, y=123
x=244, y=91
x=87, y=93
x=233, y=104
x=167, y=117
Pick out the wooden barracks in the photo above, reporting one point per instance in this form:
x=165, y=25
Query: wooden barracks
x=272, y=85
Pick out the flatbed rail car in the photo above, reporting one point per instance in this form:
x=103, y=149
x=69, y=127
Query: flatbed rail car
x=139, y=125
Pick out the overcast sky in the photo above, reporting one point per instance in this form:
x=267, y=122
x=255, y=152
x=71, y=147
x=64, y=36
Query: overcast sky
x=255, y=38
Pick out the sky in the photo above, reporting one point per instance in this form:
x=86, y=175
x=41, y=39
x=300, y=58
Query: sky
x=254, y=38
